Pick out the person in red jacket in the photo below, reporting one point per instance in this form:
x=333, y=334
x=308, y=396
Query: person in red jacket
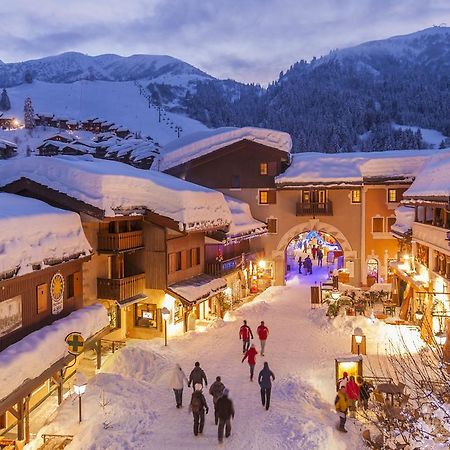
x=245, y=333
x=251, y=355
x=352, y=391
x=263, y=332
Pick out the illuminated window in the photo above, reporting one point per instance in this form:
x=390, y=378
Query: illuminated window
x=356, y=196
x=392, y=195
x=263, y=169
x=145, y=315
x=377, y=224
x=263, y=197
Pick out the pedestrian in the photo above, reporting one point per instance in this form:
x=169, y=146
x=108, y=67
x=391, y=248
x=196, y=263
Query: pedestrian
x=341, y=405
x=314, y=251
x=265, y=383
x=245, y=333
x=263, y=332
x=305, y=246
x=352, y=391
x=307, y=264
x=365, y=389
x=342, y=381
x=197, y=376
x=319, y=257
x=251, y=355
x=300, y=263
x=216, y=390
x=199, y=408
x=225, y=411
x=177, y=383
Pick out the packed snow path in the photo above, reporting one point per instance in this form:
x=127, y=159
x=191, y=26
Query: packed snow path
x=301, y=348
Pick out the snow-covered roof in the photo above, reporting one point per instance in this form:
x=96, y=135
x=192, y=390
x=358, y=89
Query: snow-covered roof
x=35, y=353
x=33, y=232
x=195, y=145
x=433, y=180
x=199, y=288
x=242, y=221
x=4, y=144
x=118, y=188
x=353, y=168
x=404, y=219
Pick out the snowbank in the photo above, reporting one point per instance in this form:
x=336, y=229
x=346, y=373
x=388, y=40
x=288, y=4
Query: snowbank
x=404, y=219
x=433, y=179
x=118, y=188
x=35, y=353
x=353, y=168
x=242, y=221
x=33, y=232
x=195, y=145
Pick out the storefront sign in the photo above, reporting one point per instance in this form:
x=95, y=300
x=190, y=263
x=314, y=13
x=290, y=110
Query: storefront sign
x=10, y=315
x=57, y=293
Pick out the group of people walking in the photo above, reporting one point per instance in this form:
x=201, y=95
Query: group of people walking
x=307, y=263
x=223, y=405
x=349, y=393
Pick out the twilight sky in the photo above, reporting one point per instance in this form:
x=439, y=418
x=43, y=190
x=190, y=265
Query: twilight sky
x=248, y=40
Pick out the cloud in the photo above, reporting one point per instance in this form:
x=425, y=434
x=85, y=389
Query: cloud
x=249, y=40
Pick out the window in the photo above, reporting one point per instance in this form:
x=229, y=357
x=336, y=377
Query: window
x=322, y=196
x=178, y=259
x=390, y=222
x=235, y=181
x=272, y=225
x=195, y=256
x=263, y=168
x=267, y=197
x=70, y=286
x=377, y=224
x=392, y=196
x=356, y=196
x=306, y=197
x=42, y=294
x=145, y=315
x=177, y=312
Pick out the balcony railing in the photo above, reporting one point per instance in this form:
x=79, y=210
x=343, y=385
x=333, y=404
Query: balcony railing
x=120, y=288
x=315, y=209
x=116, y=242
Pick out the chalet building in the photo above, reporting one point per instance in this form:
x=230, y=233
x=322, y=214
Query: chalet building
x=305, y=197
x=148, y=233
x=423, y=270
x=43, y=253
x=8, y=123
x=7, y=149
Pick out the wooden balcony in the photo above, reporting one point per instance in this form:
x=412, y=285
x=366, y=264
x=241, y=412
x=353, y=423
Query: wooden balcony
x=120, y=242
x=315, y=209
x=120, y=289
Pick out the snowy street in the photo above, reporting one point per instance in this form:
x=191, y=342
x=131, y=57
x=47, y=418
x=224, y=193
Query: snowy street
x=301, y=348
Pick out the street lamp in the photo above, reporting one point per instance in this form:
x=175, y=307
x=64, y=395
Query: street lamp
x=79, y=387
x=419, y=315
x=165, y=313
x=441, y=338
x=359, y=340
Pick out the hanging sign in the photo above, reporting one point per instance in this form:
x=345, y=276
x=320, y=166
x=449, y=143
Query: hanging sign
x=75, y=343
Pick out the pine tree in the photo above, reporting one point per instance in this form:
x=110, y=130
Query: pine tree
x=28, y=114
x=5, y=104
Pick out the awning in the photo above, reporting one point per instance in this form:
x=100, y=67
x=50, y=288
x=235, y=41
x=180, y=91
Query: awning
x=198, y=289
x=131, y=300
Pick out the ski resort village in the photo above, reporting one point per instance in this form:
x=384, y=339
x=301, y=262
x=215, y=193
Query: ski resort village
x=188, y=262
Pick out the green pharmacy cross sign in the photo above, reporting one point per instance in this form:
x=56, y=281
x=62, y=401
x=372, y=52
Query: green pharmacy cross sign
x=75, y=343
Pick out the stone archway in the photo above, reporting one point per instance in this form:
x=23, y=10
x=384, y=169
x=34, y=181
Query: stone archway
x=312, y=224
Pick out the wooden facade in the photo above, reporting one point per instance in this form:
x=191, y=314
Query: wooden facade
x=244, y=164
x=34, y=292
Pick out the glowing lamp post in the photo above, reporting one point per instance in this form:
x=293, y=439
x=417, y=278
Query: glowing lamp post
x=165, y=313
x=441, y=338
x=418, y=315
x=358, y=342
x=79, y=387
x=335, y=295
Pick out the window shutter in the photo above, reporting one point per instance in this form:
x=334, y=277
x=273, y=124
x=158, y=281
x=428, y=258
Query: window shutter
x=77, y=284
x=271, y=197
x=184, y=260
x=42, y=294
x=272, y=225
x=272, y=168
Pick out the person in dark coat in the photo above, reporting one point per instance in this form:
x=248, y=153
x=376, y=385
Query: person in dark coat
x=319, y=257
x=300, y=263
x=265, y=383
x=197, y=376
x=365, y=389
x=216, y=390
x=307, y=264
x=245, y=333
x=198, y=407
x=225, y=411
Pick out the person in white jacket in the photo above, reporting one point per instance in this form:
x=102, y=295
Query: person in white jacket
x=177, y=383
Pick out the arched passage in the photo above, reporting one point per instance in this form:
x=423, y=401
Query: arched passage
x=306, y=227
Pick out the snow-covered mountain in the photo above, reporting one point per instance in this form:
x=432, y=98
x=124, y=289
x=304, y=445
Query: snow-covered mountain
x=72, y=66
